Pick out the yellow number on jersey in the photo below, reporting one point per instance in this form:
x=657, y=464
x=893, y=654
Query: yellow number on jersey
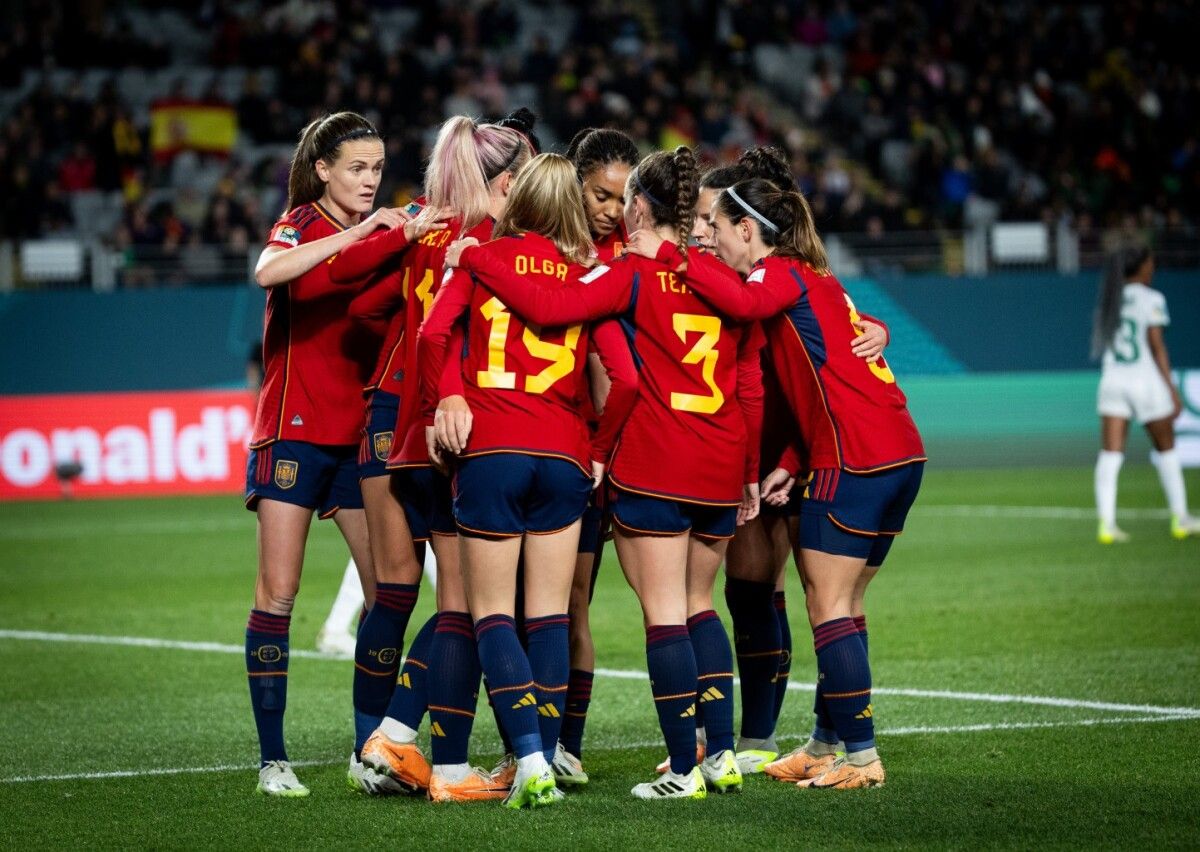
x=424, y=290
x=703, y=351
x=880, y=371
x=495, y=376
x=561, y=355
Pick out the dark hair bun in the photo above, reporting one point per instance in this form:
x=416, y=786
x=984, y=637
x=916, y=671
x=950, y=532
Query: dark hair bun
x=769, y=163
x=522, y=120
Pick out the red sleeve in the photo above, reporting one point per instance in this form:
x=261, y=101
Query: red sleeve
x=359, y=259
x=613, y=349
x=382, y=297
x=887, y=331
x=750, y=395
x=792, y=459
x=451, y=382
x=718, y=285
x=599, y=292
x=450, y=303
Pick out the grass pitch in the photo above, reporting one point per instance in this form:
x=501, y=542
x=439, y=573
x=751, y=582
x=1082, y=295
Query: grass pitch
x=1034, y=689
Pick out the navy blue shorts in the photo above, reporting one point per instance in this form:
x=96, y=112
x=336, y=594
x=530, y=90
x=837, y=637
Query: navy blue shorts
x=591, y=532
x=379, y=431
x=428, y=504
x=314, y=476
x=509, y=494
x=646, y=515
x=853, y=514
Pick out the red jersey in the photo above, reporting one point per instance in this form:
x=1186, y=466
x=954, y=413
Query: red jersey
x=852, y=415
x=613, y=246
x=314, y=358
x=686, y=438
x=405, y=279
x=522, y=381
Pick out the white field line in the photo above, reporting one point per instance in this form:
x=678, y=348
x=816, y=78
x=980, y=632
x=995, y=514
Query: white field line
x=237, y=523
x=1045, y=513
x=625, y=746
x=625, y=674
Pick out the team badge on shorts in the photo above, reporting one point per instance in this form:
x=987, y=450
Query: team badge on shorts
x=383, y=445
x=285, y=473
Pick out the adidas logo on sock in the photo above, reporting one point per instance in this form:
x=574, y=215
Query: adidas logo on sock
x=435, y=730
x=711, y=694
x=691, y=711
x=404, y=680
x=868, y=713
x=549, y=710
x=527, y=700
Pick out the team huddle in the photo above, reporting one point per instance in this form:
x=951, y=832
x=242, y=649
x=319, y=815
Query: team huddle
x=555, y=351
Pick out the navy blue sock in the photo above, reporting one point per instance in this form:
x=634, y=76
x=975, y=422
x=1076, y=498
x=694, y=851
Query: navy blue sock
x=453, y=687
x=410, y=699
x=377, y=655
x=267, y=670
x=757, y=642
x=362, y=616
x=845, y=681
x=550, y=662
x=510, y=682
x=860, y=621
x=671, y=663
x=714, y=687
x=504, y=740
x=579, y=696
x=785, y=653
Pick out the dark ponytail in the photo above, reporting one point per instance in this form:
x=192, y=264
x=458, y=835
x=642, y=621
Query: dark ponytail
x=783, y=218
x=522, y=120
x=1123, y=265
x=669, y=182
x=596, y=147
x=321, y=140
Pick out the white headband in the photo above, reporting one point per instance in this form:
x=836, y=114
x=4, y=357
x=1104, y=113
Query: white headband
x=760, y=217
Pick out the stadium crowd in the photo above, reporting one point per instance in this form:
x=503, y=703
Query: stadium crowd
x=1074, y=111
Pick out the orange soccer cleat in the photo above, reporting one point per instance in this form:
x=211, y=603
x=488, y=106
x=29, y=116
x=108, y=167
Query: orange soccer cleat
x=400, y=761
x=478, y=786
x=799, y=765
x=846, y=776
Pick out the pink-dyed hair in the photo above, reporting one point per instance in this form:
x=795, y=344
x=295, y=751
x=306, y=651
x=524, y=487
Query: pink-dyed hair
x=466, y=158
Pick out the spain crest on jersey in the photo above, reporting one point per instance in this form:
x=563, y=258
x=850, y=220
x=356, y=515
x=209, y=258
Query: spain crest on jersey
x=383, y=445
x=285, y=473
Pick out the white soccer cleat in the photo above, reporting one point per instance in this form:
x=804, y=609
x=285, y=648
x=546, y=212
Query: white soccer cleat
x=278, y=779
x=721, y=772
x=1112, y=534
x=752, y=760
x=568, y=770
x=337, y=643
x=673, y=786
x=1183, y=526
x=364, y=779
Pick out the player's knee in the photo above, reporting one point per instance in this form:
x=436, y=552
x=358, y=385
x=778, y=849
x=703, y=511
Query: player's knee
x=277, y=598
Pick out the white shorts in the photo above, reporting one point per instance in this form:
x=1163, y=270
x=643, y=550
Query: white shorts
x=1143, y=397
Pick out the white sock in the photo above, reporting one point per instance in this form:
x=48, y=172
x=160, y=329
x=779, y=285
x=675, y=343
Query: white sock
x=862, y=758
x=817, y=748
x=1108, y=465
x=702, y=736
x=531, y=764
x=752, y=744
x=397, y=731
x=452, y=772
x=348, y=602
x=1170, y=474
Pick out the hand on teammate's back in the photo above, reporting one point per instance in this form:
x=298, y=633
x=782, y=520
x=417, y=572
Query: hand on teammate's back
x=870, y=343
x=429, y=219
x=384, y=217
x=456, y=249
x=644, y=242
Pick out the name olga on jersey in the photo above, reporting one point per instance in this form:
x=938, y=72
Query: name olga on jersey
x=125, y=444
x=527, y=264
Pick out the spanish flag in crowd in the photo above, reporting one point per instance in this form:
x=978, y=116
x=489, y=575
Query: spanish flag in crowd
x=188, y=125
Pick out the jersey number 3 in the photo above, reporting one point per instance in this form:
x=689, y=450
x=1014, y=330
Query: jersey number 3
x=560, y=355
x=702, y=352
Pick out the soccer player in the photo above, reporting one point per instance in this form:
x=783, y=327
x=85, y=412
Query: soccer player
x=1135, y=383
x=524, y=458
x=699, y=396
x=304, y=449
x=865, y=454
x=471, y=171
x=757, y=558
x=603, y=158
